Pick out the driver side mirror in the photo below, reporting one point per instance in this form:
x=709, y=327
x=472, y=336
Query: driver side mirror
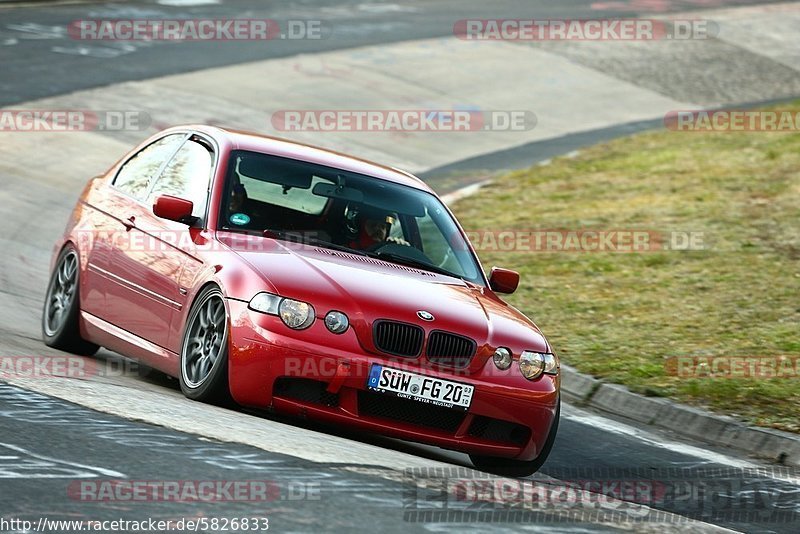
x=174, y=209
x=503, y=280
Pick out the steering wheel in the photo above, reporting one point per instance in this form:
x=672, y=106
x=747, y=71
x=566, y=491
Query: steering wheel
x=388, y=243
x=378, y=246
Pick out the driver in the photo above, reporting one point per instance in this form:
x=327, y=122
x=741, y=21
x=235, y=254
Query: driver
x=373, y=229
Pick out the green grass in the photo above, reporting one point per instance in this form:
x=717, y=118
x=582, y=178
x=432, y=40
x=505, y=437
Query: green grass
x=621, y=315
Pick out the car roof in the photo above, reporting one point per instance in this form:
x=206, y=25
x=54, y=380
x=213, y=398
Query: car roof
x=240, y=140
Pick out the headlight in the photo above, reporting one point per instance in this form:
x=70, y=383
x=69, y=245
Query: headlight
x=265, y=303
x=533, y=364
x=502, y=358
x=336, y=322
x=294, y=313
x=551, y=366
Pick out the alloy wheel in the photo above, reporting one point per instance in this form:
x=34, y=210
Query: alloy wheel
x=61, y=293
x=203, y=345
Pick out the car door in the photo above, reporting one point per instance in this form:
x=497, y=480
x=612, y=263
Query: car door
x=112, y=204
x=95, y=237
x=152, y=258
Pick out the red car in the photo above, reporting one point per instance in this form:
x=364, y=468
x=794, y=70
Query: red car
x=305, y=281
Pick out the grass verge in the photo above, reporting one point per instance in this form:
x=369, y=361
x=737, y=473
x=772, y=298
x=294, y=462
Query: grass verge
x=622, y=316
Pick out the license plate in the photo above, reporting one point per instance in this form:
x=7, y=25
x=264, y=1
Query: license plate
x=420, y=388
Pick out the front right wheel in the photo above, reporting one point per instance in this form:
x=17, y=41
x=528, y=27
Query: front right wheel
x=508, y=467
x=204, y=349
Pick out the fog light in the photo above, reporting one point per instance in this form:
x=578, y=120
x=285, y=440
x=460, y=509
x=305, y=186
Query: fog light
x=336, y=322
x=502, y=358
x=531, y=364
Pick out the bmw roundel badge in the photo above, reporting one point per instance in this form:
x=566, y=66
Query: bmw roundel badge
x=425, y=316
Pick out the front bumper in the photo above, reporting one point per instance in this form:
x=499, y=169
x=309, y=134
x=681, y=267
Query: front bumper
x=323, y=376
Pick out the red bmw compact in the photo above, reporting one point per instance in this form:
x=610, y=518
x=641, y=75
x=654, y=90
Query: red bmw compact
x=308, y=282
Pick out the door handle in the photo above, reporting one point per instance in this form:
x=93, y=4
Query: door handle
x=129, y=223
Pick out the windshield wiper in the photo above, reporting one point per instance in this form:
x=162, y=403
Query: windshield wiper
x=411, y=262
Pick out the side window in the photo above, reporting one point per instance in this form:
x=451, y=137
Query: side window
x=137, y=173
x=186, y=176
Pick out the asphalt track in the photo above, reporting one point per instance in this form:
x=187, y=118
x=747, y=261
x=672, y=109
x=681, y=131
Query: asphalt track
x=33, y=69
x=323, y=479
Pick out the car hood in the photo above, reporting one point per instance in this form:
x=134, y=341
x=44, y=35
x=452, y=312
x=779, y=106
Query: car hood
x=367, y=289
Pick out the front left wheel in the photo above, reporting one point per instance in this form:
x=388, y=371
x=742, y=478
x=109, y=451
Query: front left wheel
x=204, y=349
x=60, y=327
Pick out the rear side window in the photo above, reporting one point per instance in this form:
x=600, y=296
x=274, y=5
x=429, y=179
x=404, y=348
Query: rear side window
x=186, y=176
x=137, y=174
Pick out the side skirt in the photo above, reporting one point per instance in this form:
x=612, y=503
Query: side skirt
x=114, y=338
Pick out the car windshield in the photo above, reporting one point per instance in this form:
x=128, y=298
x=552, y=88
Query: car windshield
x=323, y=206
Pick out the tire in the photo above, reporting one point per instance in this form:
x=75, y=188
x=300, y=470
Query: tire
x=60, y=327
x=516, y=468
x=204, y=349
